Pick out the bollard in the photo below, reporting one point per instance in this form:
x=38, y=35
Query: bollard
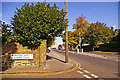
x=77, y=50
x=82, y=50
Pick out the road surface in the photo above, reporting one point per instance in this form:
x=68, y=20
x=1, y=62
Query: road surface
x=98, y=66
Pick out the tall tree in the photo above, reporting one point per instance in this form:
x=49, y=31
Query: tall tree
x=97, y=33
x=33, y=23
x=80, y=27
x=6, y=33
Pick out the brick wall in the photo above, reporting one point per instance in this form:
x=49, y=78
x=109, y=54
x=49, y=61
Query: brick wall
x=39, y=54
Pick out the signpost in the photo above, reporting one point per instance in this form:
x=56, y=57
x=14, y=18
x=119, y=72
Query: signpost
x=21, y=56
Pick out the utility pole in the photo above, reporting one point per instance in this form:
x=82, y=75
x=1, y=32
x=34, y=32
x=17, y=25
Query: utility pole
x=66, y=34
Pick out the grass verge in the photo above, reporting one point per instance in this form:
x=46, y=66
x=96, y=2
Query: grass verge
x=118, y=53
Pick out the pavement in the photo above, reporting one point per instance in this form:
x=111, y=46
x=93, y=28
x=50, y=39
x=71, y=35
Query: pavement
x=112, y=57
x=55, y=64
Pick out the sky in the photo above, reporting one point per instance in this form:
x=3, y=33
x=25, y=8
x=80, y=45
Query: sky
x=61, y=0
x=106, y=12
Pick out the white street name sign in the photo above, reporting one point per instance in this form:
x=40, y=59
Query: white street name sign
x=21, y=56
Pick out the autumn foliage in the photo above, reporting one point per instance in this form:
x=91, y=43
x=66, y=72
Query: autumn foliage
x=91, y=33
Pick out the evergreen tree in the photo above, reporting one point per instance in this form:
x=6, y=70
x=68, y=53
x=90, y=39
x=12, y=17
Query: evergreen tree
x=33, y=23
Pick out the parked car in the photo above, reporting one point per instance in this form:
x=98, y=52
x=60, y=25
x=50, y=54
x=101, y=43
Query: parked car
x=59, y=48
x=49, y=49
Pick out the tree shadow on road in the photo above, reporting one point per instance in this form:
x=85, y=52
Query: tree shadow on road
x=50, y=57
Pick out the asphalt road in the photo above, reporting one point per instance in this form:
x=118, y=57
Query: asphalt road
x=103, y=68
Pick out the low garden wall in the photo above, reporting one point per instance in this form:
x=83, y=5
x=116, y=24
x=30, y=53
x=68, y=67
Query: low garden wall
x=39, y=54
